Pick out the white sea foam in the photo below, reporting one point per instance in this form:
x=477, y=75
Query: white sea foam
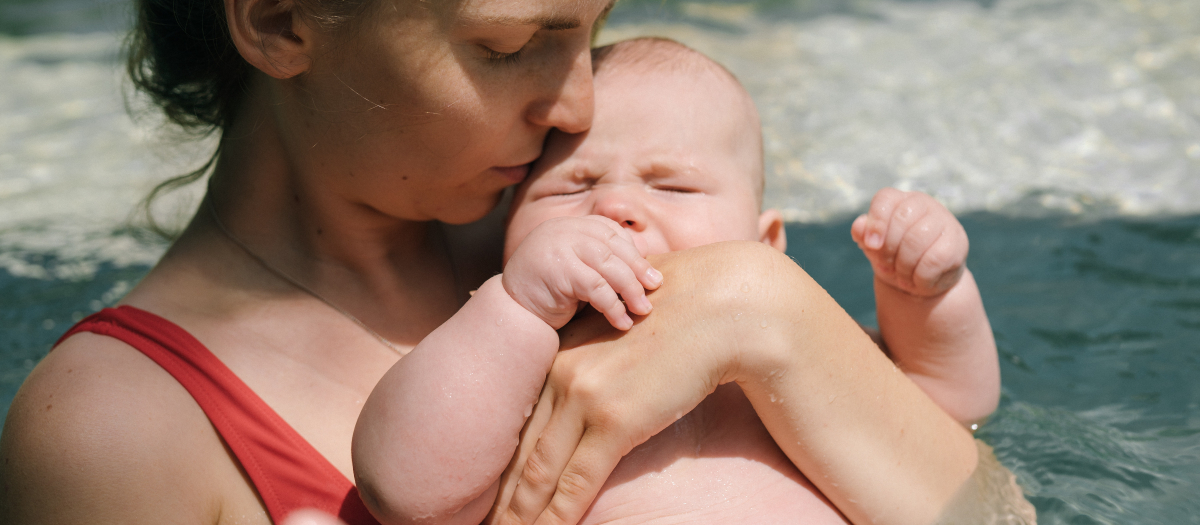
x=1027, y=106
x=1088, y=107
x=73, y=164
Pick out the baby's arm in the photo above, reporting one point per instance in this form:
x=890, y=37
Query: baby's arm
x=442, y=424
x=931, y=316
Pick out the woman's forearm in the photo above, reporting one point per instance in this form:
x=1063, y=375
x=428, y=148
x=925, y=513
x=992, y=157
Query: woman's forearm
x=742, y=312
x=439, y=428
x=878, y=447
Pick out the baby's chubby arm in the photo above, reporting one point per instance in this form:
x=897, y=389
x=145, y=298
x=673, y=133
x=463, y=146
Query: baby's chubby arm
x=443, y=423
x=930, y=313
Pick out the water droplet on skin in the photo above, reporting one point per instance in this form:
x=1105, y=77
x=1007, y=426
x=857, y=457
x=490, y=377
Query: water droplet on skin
x=745, y=287
x=737, y=316
x=678, y=416
x=528, y=410
x=773, y=400
x=762, y=324
x=500, y=322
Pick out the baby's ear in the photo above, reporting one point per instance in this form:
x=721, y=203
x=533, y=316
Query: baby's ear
x=770, y=230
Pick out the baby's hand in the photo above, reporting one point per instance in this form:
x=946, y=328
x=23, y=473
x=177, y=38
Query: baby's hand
x=914, y=243
x=591, y=259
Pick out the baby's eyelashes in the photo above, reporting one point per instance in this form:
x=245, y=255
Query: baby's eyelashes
x=675, y=189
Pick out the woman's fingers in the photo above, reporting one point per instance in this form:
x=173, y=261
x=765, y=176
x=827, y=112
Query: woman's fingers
x=589, y=467
x=534, y=425
x=541, y=470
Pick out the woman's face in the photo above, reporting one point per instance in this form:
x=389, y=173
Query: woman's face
x=428, y=109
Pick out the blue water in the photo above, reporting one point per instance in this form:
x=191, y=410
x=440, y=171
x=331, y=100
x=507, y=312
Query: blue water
x=1098, y=328
x=1065, y=134
x=1097, y=322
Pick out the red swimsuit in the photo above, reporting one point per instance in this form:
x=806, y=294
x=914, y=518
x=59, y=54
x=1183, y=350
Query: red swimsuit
x=287, y=471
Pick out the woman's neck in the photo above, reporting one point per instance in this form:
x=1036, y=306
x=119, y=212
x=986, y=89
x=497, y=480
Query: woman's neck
x=287, y=217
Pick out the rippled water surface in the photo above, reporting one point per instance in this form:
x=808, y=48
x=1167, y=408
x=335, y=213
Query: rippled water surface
x=1066, y=133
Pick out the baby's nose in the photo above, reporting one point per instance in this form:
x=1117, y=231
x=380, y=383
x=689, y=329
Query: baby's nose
x=621, y=209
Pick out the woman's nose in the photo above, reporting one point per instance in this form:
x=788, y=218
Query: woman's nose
x=570, y=101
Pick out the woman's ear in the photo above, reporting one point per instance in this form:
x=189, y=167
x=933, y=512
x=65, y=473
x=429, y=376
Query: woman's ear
x=271, y=35
x=770, y=230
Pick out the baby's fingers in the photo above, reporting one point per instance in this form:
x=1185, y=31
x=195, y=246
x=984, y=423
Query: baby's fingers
x=942, y=264
x=914, y=247
x=875, y=229
x=596, y=290
x=623, y=266
x=624, y=247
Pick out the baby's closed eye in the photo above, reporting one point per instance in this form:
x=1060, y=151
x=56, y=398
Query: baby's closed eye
x=674, y=188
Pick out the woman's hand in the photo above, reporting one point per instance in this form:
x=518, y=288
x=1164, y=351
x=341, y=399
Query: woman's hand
x=593, y=411
x=608, y=392
x=864, y=434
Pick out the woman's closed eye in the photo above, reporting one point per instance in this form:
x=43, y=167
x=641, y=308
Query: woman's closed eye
x=501, y=57
x=508, y=45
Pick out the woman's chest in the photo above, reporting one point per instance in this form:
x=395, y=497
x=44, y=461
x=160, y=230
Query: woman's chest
x=717, y=464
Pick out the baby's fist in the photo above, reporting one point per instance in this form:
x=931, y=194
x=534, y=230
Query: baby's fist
x=914, y=243
x=568, y=260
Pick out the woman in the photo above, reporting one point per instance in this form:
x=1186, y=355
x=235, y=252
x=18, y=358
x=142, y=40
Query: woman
x=228, y=390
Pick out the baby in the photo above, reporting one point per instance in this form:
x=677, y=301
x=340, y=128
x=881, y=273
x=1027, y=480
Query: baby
x=673, y=161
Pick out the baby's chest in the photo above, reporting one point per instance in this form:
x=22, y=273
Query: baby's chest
x=717, y=464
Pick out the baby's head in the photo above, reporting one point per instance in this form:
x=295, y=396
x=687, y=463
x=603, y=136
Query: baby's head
x=674, y=155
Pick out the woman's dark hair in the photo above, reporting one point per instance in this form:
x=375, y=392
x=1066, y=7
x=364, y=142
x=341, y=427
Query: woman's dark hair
x=180, y=54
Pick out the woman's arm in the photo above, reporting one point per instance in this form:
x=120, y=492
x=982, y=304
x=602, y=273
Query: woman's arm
x=845, y=415
x=442, y=424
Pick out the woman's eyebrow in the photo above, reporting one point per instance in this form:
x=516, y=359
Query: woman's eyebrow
x=549, y=23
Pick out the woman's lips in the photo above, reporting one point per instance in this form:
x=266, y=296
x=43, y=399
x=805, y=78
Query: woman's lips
x=513, y=174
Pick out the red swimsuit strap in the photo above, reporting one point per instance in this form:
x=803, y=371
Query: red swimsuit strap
x=286, y=470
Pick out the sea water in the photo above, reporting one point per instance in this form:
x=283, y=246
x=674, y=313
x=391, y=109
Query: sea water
x=1066, y=134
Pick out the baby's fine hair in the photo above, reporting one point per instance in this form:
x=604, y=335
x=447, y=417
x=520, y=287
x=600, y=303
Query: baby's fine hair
x=657, y=55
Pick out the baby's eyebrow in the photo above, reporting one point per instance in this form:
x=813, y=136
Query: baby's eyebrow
x=669, y=167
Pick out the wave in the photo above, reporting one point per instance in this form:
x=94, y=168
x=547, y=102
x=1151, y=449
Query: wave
x=1022, y=107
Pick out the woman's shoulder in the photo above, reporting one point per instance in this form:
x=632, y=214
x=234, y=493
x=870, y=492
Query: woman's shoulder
x=96, y=426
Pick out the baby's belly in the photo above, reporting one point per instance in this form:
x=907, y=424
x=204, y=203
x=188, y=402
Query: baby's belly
x=717, y=464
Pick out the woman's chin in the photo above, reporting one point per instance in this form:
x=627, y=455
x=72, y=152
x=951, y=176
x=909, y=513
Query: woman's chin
x=469, y=210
